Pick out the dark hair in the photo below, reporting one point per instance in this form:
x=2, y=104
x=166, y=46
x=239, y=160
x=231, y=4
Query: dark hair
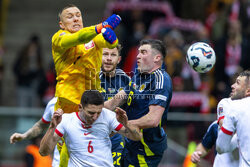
x=92, y=97
x=66, y=7
x=119, y=48
x=155, y=44
x=246, y=74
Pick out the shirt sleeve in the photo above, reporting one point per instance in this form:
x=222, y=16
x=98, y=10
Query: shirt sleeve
x=209, y=138
x=162, y=93
x=60, y=129
x=67, y=40
x=229, y=126
x=220, y=110
x=115, y=126
x=49, y=110
x=47, y=115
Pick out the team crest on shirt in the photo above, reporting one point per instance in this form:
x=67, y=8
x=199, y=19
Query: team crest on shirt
x=111, y=90
x=135, y=86
x=142, y=87
x=89, y=45
x=220, y=110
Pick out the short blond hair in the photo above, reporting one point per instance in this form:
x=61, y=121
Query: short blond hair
x=66, y=7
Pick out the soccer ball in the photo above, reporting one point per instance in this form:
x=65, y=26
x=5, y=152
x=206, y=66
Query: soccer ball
x=201, y=57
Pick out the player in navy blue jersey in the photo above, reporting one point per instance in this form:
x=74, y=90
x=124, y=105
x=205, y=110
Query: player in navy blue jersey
x=147, y=98
x=112, y=81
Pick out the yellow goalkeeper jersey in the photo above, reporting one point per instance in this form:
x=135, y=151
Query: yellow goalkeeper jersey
x=78, y=58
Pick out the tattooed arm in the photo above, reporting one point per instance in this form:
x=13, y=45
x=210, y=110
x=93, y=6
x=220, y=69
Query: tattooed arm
x=128, y=130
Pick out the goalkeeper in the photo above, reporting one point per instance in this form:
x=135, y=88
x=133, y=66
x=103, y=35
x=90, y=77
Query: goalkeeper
x=77, y=54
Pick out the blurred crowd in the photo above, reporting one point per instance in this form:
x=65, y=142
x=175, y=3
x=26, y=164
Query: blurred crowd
x=224, y=24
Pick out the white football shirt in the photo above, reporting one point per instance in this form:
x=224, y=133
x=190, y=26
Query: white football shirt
x=49, y=111
x=89, y=145
x=223, y=108
x=47, y=116
x=238, y=119
x=230, y=159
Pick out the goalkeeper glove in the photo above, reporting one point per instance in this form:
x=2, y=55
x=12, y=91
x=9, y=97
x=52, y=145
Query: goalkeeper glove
x=109, y=35
x=112, y=22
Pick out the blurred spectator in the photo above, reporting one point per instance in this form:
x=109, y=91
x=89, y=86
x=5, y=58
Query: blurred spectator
x=230, y=51
x=33, y=157
x=216, y=21
x=29, y=73
x=47, y=86
x=178, y=84
x=1, y=71
x=175, y=57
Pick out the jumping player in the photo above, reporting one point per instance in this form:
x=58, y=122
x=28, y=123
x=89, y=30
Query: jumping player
x=86, y=132
x=77, y=54
x=237, y=120
x=148, y=97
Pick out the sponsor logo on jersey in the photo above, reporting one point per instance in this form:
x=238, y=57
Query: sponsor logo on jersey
x=142, y=87
x=89, y=45
x=135, y=86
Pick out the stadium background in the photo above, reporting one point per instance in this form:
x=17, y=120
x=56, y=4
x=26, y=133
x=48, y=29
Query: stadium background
x=221, y=23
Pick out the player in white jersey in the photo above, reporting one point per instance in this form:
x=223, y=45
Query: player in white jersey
x=86, y=132
x=222, y=109
x=230, y=159
x=237, y=119
x=38, y=128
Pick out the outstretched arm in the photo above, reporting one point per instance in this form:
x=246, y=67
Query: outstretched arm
x=50, y=138
x=86, y=34
x=36, y=130
x=118, y=100
x=130, y=131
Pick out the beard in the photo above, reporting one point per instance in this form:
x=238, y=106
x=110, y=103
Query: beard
x=238, y=95
x=109, y=69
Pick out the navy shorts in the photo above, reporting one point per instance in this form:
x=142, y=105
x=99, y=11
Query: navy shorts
x=138, y=160
x=117, y=153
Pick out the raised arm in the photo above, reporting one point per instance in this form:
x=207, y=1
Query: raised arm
x=151, y=119
x=50, y=138
x=82, y=36
x=36, y=130
x=118, y=100
x=88, y=33
x=128, y=130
